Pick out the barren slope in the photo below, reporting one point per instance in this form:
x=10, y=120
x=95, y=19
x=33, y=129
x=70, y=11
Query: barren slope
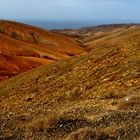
x=35, y=35
x=95, y=96
x=17, y=39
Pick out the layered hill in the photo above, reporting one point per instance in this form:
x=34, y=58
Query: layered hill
x=35, y=46
x=94, y=96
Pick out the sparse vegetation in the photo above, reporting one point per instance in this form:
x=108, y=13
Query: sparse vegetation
x=114, y=102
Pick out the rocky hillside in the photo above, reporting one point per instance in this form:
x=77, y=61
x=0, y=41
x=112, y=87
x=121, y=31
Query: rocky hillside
x=93, y=96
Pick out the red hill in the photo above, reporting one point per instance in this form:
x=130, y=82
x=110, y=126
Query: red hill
x=25, y=47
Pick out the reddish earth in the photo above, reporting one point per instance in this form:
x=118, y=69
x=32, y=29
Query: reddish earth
x=13, y=65
x=29, y=44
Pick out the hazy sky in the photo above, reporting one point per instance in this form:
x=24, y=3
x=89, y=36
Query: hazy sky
x=71, y=11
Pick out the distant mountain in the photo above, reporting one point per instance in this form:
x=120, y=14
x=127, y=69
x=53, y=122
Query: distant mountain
x=96, y=29
x=93, y=96
x=23, y=47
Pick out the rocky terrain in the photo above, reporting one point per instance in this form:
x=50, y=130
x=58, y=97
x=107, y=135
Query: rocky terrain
x=95, y=96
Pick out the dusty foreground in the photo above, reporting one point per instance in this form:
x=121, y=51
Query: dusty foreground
x=95, y=96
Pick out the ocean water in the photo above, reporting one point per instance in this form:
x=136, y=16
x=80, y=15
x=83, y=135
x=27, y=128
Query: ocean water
x=50, y=25
x=59, y=25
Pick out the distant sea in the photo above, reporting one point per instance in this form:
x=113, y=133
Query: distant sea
x=59, y=25
x=50, y=25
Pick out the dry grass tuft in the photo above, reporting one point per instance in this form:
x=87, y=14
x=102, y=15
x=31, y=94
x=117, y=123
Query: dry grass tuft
x=88, y=134
x=43, y=124
x=109, y=95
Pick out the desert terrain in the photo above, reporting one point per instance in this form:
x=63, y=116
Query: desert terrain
x=86, y=84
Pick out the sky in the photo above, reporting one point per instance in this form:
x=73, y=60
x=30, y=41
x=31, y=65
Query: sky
x=70, y=13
